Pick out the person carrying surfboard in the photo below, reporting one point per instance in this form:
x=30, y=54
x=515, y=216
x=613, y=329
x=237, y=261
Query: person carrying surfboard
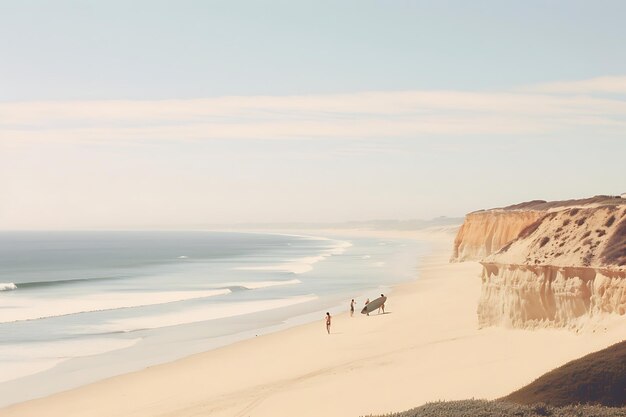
x=375, y=304
x=328, y=322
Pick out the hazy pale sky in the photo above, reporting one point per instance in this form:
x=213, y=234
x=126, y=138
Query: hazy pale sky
x=118, y=114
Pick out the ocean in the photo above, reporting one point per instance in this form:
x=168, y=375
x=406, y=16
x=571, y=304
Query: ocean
x=77, y=307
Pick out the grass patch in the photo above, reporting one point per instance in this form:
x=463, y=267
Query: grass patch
x=483, y=408
x=598, y=378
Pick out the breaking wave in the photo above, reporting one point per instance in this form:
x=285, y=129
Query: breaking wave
x=301, y=265
x=27, y=308
x=7, y=286
x=255, y=285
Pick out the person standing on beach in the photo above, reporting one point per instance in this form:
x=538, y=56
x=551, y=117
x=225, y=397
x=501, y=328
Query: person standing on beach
x=382, y=305
x=352, y=308
x=328, y=322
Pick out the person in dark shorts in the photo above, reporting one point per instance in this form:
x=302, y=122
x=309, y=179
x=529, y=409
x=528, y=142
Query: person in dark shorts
x=352, y=308
x=328, y=322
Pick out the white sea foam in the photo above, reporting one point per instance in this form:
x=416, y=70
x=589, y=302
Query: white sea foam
x=198, y=314
x=183, y=257
x=253, y=285
x=7, y=286
x=24, y=359
x=338, y=248
x=30, y=308
x=302, y=265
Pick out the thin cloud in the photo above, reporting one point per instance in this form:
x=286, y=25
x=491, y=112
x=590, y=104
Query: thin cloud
x=598, y=85
x=539, y=109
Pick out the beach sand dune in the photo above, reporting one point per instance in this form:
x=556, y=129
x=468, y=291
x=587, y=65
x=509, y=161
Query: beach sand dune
x=428, y=347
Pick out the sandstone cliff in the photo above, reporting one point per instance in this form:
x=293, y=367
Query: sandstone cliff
x=563, y=268
x=485, y=232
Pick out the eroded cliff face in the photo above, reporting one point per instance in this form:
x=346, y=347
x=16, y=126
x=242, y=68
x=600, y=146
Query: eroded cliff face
x=526, y=296
x=566, y=266
x=486, y=232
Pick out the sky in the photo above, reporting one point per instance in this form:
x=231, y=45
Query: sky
x=181, y=114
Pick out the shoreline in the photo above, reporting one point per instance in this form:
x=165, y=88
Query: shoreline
x=73, y=373
x=427, y=348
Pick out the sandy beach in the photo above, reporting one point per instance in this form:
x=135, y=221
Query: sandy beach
x=427, y=347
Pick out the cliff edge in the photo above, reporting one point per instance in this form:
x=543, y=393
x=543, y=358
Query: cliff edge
x=565, y=264
x=487, y=231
